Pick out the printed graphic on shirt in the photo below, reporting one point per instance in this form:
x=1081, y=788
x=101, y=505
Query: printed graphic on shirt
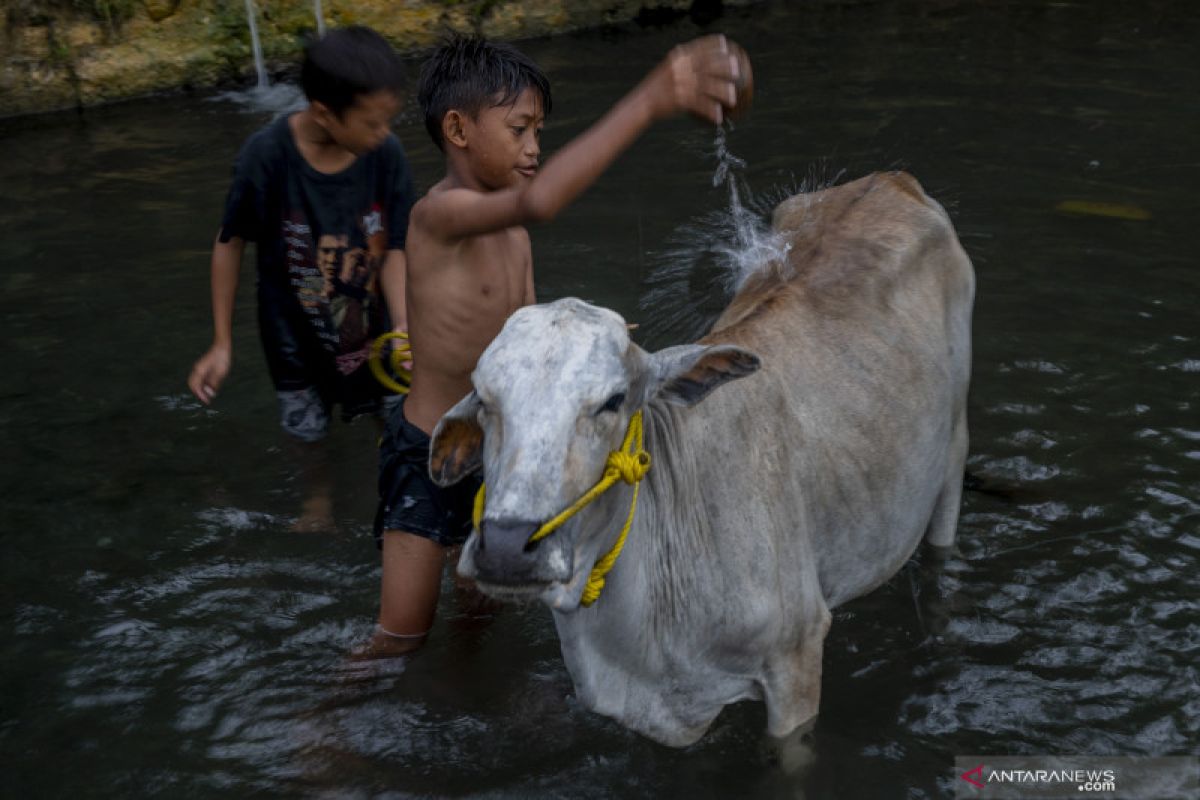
x=336, y=284
x=373, y=223
x=303, y=275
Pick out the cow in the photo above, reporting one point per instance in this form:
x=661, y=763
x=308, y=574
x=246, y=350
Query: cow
x=759, y=507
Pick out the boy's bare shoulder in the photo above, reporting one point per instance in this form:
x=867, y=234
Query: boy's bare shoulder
x=452, y=212
x=424, y=201
x=442, y=195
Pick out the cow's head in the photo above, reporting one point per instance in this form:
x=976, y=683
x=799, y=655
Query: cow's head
x=553, y=397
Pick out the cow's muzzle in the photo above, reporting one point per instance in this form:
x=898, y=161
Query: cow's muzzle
x=504, y=555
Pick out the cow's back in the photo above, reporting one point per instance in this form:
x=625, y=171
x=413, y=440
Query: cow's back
x=848, y=248
x=864, y=334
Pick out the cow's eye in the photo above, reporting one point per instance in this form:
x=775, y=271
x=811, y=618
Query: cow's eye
x=613, y=403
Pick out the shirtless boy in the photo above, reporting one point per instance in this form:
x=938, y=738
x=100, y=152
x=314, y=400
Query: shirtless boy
x=470, y=267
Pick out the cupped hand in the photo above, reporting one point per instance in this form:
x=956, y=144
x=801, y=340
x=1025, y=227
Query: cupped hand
x=209, y=373
x=706, y=77
x=402, y=344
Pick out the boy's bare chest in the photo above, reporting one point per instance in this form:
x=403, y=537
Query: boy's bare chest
x=486, y=273
x=497, y=258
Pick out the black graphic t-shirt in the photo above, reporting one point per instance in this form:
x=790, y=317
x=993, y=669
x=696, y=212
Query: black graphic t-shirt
x=320, y=240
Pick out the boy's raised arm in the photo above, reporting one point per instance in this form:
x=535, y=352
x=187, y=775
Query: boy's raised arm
x=699, y=77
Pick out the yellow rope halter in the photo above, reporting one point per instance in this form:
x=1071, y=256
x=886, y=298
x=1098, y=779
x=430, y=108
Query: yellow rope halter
x=400, y=354
x=628, y=464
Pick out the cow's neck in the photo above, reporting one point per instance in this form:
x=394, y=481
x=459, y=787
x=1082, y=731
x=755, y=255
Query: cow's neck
x=675, y=541
x=660, y=578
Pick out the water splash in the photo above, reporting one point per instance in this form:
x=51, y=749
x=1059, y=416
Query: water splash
x=320, y=17
x=708, y=258
x=754, y=245
x=276, y=99
x=260, y=67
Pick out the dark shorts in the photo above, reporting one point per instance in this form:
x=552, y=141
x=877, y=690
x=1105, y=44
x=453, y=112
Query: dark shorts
x=409, y=500
x=305, y=413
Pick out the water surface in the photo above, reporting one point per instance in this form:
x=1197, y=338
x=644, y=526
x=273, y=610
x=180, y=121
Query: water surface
x=167, y=633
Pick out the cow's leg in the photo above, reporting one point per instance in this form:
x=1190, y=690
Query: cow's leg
x=792, y=683
x=944, y=521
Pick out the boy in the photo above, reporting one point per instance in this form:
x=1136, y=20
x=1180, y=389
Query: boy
x=470, y=267
x=325, y=195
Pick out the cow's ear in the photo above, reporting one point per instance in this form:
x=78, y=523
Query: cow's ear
x=684, y=375
x=456, y=449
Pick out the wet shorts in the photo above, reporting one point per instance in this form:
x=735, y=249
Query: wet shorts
x=304, y=413
x=409, y=500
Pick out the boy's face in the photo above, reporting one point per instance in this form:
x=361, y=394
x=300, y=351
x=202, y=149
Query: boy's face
x=504, y=142
x=365, y=123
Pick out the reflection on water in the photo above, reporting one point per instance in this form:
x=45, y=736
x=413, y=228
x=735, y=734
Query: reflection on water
x=166, y=631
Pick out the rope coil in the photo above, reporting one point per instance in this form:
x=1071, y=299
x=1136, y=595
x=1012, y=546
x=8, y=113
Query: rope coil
x=401, y=353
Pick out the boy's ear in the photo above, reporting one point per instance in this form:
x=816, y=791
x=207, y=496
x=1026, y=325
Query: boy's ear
x=454, y=129
x=321, y=113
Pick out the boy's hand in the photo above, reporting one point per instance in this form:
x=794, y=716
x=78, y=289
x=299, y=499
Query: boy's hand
x=209, y=373
x=402, y=344
x=704, y=77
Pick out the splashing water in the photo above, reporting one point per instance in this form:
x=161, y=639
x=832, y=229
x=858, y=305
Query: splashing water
x=709, y=258
x=320, y=17
x=260, y=68
x=276, y=99
x=754, y=244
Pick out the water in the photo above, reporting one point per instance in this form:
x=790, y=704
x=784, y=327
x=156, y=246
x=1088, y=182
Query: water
x=263, y=96
x=260, y=69
x=320, y=17
x=166, y=633
x=272, y=99
x=708, y=258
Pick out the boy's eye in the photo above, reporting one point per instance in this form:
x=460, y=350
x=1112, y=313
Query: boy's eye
x=518, y=129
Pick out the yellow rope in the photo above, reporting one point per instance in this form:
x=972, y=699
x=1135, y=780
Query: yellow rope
x=628, y=464
x=400, y=354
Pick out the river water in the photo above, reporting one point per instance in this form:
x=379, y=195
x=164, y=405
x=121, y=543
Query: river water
x=166, y=633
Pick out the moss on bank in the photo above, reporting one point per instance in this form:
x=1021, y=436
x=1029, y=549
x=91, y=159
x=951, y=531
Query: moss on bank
x=75, y=53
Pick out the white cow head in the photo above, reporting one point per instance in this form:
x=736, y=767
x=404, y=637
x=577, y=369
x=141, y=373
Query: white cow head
x=553, y=397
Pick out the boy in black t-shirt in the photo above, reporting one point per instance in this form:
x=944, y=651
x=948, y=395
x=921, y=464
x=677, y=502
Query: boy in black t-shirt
x=325, y=195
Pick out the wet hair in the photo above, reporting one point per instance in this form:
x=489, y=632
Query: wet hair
x=349, y=62
x=469, y=74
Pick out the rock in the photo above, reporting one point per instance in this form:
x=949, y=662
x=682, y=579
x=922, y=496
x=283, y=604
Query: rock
x=158, y=10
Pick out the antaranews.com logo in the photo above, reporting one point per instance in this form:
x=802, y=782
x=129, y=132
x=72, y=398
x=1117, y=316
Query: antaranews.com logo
x=1077, y=776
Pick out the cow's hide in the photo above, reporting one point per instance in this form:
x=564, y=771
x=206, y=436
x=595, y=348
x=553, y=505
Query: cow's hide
x=806, y=483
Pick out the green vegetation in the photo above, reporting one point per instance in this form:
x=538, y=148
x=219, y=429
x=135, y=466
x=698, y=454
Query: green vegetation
x=479, y=8
x=114, y=12
x=41, y=12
